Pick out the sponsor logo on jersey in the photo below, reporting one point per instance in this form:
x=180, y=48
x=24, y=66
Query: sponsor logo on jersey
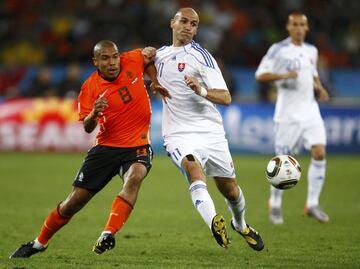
x=181, y=66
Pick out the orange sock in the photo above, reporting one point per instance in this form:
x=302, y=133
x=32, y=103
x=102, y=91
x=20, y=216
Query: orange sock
x=120, y=211
x=51, y=225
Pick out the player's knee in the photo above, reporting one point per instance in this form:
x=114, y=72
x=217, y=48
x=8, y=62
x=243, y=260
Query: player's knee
x=135, y=174
x=134, y=180
x=318, y=153
x=192, y=168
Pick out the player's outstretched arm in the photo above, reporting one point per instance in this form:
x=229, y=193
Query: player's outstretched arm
x=270, y=77
x=217, y=96
x=155, y=86
x=150, y=70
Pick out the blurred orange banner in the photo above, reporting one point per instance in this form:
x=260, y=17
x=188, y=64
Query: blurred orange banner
x=45, y=124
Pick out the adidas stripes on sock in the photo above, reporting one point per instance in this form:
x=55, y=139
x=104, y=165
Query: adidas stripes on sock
x=202, y=201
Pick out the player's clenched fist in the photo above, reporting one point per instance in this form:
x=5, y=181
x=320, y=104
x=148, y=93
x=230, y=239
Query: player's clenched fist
x=149, y=52
x=99, y=106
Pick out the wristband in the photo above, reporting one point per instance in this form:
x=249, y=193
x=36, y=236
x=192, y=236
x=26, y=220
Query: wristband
x=203, y=92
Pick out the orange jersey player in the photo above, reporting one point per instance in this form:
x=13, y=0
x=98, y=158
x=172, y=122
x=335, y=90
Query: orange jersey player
x=115, y=98
x=125, y=122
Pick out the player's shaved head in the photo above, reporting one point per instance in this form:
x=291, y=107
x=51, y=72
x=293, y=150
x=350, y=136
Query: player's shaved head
x=297, y=26
x=187, y=11
x=292, y=15
x=184, y=26
x=103, y=44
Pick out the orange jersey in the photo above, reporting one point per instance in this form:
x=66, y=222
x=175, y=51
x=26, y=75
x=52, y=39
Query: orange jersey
x=126, y=120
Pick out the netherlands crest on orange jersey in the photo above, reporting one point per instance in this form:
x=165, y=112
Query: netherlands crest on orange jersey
x=181, y=66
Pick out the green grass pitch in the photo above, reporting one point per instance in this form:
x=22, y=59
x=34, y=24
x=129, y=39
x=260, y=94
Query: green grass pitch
x=165, y=231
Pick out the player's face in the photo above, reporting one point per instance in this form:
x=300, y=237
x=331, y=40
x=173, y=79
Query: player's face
x=184, y=27
x=108, y=63
x=297, y=27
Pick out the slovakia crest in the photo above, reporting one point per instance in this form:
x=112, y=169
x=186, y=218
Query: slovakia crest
x=181, y=67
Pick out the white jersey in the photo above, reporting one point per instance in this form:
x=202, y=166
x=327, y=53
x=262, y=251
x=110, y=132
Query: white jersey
x=186, y=112
x=295, y=101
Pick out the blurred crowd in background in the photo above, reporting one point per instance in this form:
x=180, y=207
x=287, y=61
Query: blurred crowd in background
x=40, y=38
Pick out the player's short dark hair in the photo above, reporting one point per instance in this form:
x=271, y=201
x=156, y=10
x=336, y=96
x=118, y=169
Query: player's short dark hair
x=295, y=13
x=103, y=44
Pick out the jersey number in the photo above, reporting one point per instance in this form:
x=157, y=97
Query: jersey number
x=176, y=154
x=160, y=69
x=294, y=64
x=125, y=95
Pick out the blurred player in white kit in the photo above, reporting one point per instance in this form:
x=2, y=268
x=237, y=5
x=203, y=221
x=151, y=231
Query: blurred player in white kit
x=291, y=64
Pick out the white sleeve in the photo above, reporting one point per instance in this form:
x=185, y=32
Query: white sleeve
x=212, y=77
x=267, y=62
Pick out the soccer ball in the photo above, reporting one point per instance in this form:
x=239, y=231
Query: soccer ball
x=283, y=172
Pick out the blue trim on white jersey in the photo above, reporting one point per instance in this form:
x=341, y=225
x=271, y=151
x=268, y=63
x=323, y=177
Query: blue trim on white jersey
x=277, y=46
x=207, y=56
x=162, y=48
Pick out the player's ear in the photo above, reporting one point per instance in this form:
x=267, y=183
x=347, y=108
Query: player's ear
x=172, y=21
x=95, y=61
x=307, y=28
x=288, y=26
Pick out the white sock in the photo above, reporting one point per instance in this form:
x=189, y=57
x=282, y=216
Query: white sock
x=275, y=197
x=202, y=201
x=316, y=179
x=37, y=244
x=237, y=209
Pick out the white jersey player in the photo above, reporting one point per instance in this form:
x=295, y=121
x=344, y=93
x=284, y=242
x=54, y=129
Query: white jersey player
x=291, y=64
x=193, y=131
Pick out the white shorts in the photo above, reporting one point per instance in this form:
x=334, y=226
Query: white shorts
x=213, y=154
x=291, y=137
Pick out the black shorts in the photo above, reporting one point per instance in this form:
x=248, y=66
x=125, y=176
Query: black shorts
x=103, y=162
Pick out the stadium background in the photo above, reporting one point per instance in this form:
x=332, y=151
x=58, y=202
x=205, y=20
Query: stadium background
x=46, y=47
x=41, y=41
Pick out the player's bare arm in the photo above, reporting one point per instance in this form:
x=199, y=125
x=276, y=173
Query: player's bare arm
x=150, y=69
x=217, y=96
x=155, y=85
x=91, y=120
x=149, y=54
x=321, y=91
x=270, y=77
